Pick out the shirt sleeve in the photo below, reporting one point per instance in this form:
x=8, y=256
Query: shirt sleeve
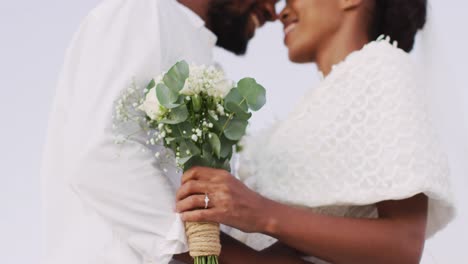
x=119, y=41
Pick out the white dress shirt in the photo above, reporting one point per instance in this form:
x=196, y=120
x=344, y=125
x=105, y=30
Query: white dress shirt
x=105, y=203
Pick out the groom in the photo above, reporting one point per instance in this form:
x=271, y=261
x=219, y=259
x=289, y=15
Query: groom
x=109, y=204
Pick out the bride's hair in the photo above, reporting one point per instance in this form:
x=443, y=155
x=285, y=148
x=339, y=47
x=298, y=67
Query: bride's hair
x=399, y=19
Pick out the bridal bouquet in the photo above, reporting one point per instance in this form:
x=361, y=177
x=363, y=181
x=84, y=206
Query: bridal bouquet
x=201, y=117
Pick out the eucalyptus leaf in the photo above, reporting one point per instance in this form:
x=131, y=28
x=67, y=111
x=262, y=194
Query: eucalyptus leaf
x=227, y=165
x=207, y=153
x=235, y=97
x=215, y=143
x=166, y=96
x=239, y=112
x=226, y=147
x=253, y=92
x=151, y=85
x=196, y=161
x=194, y=150
x=176, y=115
x=219, y=124
x=176, y=76
x=180, y=128
x=235, y=130
x=184, y=160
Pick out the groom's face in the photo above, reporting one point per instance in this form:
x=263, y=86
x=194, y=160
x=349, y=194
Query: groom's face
x=235, y=21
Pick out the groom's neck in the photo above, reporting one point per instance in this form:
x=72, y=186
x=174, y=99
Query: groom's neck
x=200, y=7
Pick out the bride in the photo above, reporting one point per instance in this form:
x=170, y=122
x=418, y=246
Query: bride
x=354, y=175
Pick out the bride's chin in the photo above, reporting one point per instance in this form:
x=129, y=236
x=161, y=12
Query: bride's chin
x=298, y=58
x=293, y=55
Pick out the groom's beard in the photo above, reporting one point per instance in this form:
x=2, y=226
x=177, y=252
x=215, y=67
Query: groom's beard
x=230, y=26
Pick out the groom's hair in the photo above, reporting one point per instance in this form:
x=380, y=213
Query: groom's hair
x=229, y=25
x=399, y=19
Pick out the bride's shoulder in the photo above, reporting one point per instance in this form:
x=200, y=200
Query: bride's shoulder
x=383, y=54
x=378, y=61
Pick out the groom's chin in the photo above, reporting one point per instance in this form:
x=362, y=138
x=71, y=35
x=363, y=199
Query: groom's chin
x=238, y=49
x=235, y=40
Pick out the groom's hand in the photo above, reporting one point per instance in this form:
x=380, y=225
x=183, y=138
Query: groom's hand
x=230, y=201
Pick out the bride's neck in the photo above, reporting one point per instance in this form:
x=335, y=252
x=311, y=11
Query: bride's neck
x=338, y=47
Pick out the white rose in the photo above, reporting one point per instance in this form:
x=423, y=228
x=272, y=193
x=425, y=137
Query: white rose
x=151, y=106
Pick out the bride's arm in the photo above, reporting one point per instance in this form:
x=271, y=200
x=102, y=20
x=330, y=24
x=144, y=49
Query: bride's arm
x=236, y=252
x=397, y=236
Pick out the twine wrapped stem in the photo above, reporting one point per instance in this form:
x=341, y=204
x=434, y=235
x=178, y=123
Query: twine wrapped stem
x=203, y=239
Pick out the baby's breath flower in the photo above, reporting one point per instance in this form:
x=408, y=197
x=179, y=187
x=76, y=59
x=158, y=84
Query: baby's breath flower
x=220, y=109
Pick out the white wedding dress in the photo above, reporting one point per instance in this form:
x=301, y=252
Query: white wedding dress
x=362, y=136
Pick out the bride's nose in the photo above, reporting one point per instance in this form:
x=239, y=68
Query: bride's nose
x=285, y=15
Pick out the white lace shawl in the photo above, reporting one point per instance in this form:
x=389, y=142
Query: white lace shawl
x=363, y=136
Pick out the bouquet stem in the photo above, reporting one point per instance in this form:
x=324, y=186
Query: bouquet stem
x=204, y=242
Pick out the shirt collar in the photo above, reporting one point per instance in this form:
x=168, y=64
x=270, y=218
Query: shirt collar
x=198, y=22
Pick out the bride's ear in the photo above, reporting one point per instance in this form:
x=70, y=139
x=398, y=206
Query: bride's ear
x=350, y=4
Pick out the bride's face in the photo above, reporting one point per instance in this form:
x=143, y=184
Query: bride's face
x=309, y=24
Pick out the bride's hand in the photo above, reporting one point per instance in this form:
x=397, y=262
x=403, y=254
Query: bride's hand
x=230, y=201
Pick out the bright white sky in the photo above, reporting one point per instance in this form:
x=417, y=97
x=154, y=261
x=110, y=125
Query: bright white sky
x=33, y=37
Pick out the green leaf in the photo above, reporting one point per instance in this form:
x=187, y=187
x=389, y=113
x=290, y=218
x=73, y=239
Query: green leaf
x=239, y=148
x=175, y=78
x=253, y=92
x=193, y=147
x=184, y=160
x=151, y=84
x=227, y=165
x=166, y=96
x=176, y=115
x=196, y=161
x=235, y=97
x=239, y=112
x=235, y=130
x=207, y=154
x=179, y=129
x=218, y=124
x=215, y=143
x=188, y=148
x=226, y=147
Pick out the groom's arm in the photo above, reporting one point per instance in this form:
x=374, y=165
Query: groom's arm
x=235, y=252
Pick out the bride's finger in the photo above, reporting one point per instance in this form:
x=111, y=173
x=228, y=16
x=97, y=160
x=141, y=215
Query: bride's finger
x=192, y=188
x=194, y=202
x=199, y=173
x=202, y=215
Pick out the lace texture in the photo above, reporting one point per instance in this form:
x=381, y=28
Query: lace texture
x=363, y=136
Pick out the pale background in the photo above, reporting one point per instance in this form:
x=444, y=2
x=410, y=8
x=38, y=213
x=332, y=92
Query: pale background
x=33, y=37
